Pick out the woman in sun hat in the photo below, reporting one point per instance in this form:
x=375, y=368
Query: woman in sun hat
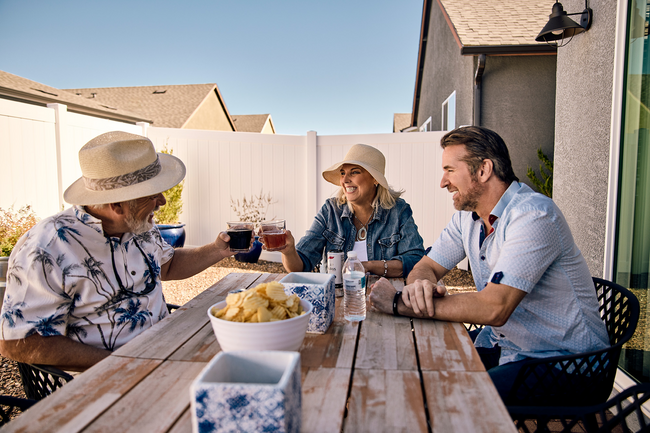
x=366, y=216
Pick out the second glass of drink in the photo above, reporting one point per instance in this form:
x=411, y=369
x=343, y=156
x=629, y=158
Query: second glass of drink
x=273, y=234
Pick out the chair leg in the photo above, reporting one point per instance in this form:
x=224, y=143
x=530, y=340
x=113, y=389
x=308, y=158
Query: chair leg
x=591, y=423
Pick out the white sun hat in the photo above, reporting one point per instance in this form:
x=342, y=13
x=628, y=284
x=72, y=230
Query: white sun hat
x=365, y=156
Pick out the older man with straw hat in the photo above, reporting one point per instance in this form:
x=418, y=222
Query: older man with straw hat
x=87, y=280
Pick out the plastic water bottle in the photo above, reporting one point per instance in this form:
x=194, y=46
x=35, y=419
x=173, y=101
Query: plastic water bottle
x=354, y=289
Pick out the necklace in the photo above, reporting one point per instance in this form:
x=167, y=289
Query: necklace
x=363, y=231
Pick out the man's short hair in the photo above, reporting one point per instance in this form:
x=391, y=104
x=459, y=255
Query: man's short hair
x=481, y=144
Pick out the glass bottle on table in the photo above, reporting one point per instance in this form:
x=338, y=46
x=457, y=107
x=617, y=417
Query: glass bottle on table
x=354, y=289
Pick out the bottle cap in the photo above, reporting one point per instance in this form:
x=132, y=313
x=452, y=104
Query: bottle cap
x=352, y=254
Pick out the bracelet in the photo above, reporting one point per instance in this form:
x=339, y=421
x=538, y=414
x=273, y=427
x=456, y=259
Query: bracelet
x=385, y=268
x=395, y=299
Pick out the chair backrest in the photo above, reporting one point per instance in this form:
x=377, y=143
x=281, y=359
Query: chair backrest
x=619, y=309
x=39, y=381
x=586, y=378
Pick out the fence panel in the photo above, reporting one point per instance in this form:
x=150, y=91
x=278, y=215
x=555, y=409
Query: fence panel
x=220, y=166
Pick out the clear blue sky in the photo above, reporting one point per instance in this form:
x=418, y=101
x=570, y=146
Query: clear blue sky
x=332, y=66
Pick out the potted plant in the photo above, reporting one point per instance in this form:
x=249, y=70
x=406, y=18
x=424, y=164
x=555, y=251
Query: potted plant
x=252, y=210
x=13, y=224
x=167, y=217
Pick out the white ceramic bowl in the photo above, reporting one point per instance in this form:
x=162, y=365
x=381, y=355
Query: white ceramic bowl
x=281, y=335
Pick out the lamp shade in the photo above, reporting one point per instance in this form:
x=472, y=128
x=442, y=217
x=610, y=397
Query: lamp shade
x=559, y=26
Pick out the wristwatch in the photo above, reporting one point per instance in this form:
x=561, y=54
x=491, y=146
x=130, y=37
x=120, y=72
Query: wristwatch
x=395, y=300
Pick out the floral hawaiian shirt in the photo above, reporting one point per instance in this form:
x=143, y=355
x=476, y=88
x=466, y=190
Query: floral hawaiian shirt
x=66, y=277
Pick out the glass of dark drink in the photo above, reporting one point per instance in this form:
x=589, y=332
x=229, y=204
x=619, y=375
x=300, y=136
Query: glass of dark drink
x=273, y=234
x=240, y=233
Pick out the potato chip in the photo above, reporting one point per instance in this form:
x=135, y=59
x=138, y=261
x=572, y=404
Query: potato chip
x=266, y=302
x=255, y=301
x=263, y=315
x=276, y=292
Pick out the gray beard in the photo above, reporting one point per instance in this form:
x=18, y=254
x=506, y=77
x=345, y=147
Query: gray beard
x=138, y=227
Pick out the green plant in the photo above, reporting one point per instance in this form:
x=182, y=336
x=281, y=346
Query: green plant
x=254, y=209
x=14, y=224
x=545, y=185
x=170, y=212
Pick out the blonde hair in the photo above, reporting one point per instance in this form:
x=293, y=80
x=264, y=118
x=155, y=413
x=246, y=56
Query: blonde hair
x=385, y=197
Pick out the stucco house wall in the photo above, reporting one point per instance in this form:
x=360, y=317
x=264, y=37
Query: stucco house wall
x=445, y=70
x=209, y=115
x=582, y=129
x=519, y=104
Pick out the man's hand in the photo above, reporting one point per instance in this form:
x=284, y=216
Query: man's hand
x=381, y=296
x=222, y=243
x=419, y=295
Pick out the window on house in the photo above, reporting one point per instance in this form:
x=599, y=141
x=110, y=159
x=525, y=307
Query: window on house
x=426, y=126
x=449, y=113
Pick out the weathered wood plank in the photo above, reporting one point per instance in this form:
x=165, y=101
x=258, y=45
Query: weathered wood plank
x=155, y=404
x=462, y=402
x=445, y=346
x=386, y=401
x=386, y=342
x=324, y=393
x=202, y=347
x=335, y=348
x=160, y=341
x=184, y=423
x=76, y=405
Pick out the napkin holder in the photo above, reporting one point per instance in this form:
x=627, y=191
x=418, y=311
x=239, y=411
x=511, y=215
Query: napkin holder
x=319, y=290
x=248, y=391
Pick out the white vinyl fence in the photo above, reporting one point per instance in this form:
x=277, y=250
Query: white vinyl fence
x=38, y=150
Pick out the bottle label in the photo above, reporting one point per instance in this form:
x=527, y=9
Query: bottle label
x=354, y=281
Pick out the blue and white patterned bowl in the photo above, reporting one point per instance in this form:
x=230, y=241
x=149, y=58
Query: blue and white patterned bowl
x=281, y=335
x=317, y=289
x=248, y=391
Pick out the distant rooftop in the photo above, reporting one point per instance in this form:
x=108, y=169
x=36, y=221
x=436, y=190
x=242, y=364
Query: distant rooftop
x=251, y=122
x=169, y=106
x=21, y=89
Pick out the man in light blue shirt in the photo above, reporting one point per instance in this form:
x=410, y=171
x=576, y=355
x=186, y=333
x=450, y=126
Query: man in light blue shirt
x=534, y=290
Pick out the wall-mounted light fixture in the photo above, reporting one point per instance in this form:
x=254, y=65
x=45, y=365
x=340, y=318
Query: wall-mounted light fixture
x=561, y=27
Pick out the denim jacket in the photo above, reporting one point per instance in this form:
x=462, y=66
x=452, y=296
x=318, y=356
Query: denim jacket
x=392, y=234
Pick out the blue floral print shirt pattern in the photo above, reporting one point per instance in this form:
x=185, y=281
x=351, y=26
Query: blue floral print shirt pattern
x=392, y=235
x=65, y=279
x=531, y=249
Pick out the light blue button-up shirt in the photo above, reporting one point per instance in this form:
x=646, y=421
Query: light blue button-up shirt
x=531, y=248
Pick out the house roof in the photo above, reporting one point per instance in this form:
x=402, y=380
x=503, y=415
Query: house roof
x=493, y=23
x=252, y=122
x=21, y=89
x=169, y=106
x=401, y=121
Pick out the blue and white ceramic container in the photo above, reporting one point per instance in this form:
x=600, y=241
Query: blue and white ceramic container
x=250, y=391
x=317, y=289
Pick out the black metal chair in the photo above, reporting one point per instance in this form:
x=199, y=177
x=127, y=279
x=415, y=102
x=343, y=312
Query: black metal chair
x=10, y=406
x=39, y=381
x=553, y=385
x=621, y=413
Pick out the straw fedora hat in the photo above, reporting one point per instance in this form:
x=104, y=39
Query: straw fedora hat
x=118, y=166
x=365, y=156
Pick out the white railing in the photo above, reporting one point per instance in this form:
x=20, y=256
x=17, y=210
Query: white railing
x=39, y=146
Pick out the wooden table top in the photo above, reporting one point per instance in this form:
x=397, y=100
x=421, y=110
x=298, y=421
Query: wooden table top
x=383, y=374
